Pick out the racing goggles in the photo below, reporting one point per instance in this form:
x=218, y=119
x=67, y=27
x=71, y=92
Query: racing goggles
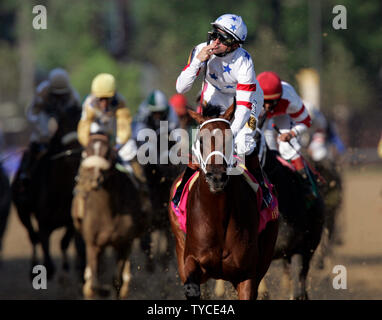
x=272, y=103
x=223, y=38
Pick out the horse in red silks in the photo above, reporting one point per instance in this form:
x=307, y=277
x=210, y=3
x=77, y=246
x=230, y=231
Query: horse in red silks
x=222, y=238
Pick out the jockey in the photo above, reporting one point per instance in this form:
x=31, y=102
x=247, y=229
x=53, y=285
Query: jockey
x=285, y=109
x=151, y=111
x=229, y=78
x=104, y=111
x=180, y=104
x=52, y=96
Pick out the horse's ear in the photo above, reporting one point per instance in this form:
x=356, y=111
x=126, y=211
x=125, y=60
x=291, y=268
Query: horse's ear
x=228, y=114
x=196, y=116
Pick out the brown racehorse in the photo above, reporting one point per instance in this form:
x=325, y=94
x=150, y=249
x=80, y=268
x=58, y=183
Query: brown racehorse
x=107, y=211
x=222, y=240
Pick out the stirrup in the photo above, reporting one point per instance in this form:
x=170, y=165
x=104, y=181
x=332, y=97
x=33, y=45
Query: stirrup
x=267, y=198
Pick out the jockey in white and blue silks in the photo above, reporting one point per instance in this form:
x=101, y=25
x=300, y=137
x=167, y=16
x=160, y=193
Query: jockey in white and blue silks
x=229, y=79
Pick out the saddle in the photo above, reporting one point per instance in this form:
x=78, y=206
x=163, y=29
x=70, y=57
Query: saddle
x=267, y=214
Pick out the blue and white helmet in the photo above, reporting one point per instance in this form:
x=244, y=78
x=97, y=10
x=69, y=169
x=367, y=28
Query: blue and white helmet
x=233, y=25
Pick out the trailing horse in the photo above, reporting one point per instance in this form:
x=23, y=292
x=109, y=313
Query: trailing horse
x=49, y=193
x=159, y=179
x=107, y=211
x=221, y=238
x=332, y=193
x=301, y=223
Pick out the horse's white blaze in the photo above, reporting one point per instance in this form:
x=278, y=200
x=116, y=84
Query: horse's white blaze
x=96, y=162
x=215, y=132
x=97, y=148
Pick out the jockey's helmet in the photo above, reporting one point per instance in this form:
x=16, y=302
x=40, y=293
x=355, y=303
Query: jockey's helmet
x=103, y=85
x=157, y=101
x=59, y=81
x=233, y=25
x=179, y=102
x=270, y=82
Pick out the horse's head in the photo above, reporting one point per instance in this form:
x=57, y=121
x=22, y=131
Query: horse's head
x=213, y=147
x=98, y=157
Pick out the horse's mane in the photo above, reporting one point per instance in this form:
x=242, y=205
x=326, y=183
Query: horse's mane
x=211, y=111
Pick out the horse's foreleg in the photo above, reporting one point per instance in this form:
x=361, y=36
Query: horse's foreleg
x=248, y=289
x=219, y=288
x=192, y=273
x=263, y=290
x=286, y=280
x=80, y=254
x=126, y=277
x=299, y=268
x=123, y=275
x=65, y=241
x=146, y=247
x=48, y=262
x=322, y=250
x=90, y=288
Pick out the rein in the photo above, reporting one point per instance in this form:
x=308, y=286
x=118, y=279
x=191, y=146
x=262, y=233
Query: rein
x=65, y=140
x=66, y=153
x=196, y=148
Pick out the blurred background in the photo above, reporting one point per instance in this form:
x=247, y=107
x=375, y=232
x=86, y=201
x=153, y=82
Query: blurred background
x=146, y=44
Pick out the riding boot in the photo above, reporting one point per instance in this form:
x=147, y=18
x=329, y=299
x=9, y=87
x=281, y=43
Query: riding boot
x=302, y=170
x=253, y=165
x=186, y=176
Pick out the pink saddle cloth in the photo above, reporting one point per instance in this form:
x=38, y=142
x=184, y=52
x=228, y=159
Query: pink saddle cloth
x=267, y=214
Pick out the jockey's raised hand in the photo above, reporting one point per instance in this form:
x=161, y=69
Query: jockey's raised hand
x=207, y=52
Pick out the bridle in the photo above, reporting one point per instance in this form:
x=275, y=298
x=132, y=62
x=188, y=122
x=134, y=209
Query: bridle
x=196, y=148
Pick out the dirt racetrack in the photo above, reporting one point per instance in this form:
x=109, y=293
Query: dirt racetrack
x=360, y=253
